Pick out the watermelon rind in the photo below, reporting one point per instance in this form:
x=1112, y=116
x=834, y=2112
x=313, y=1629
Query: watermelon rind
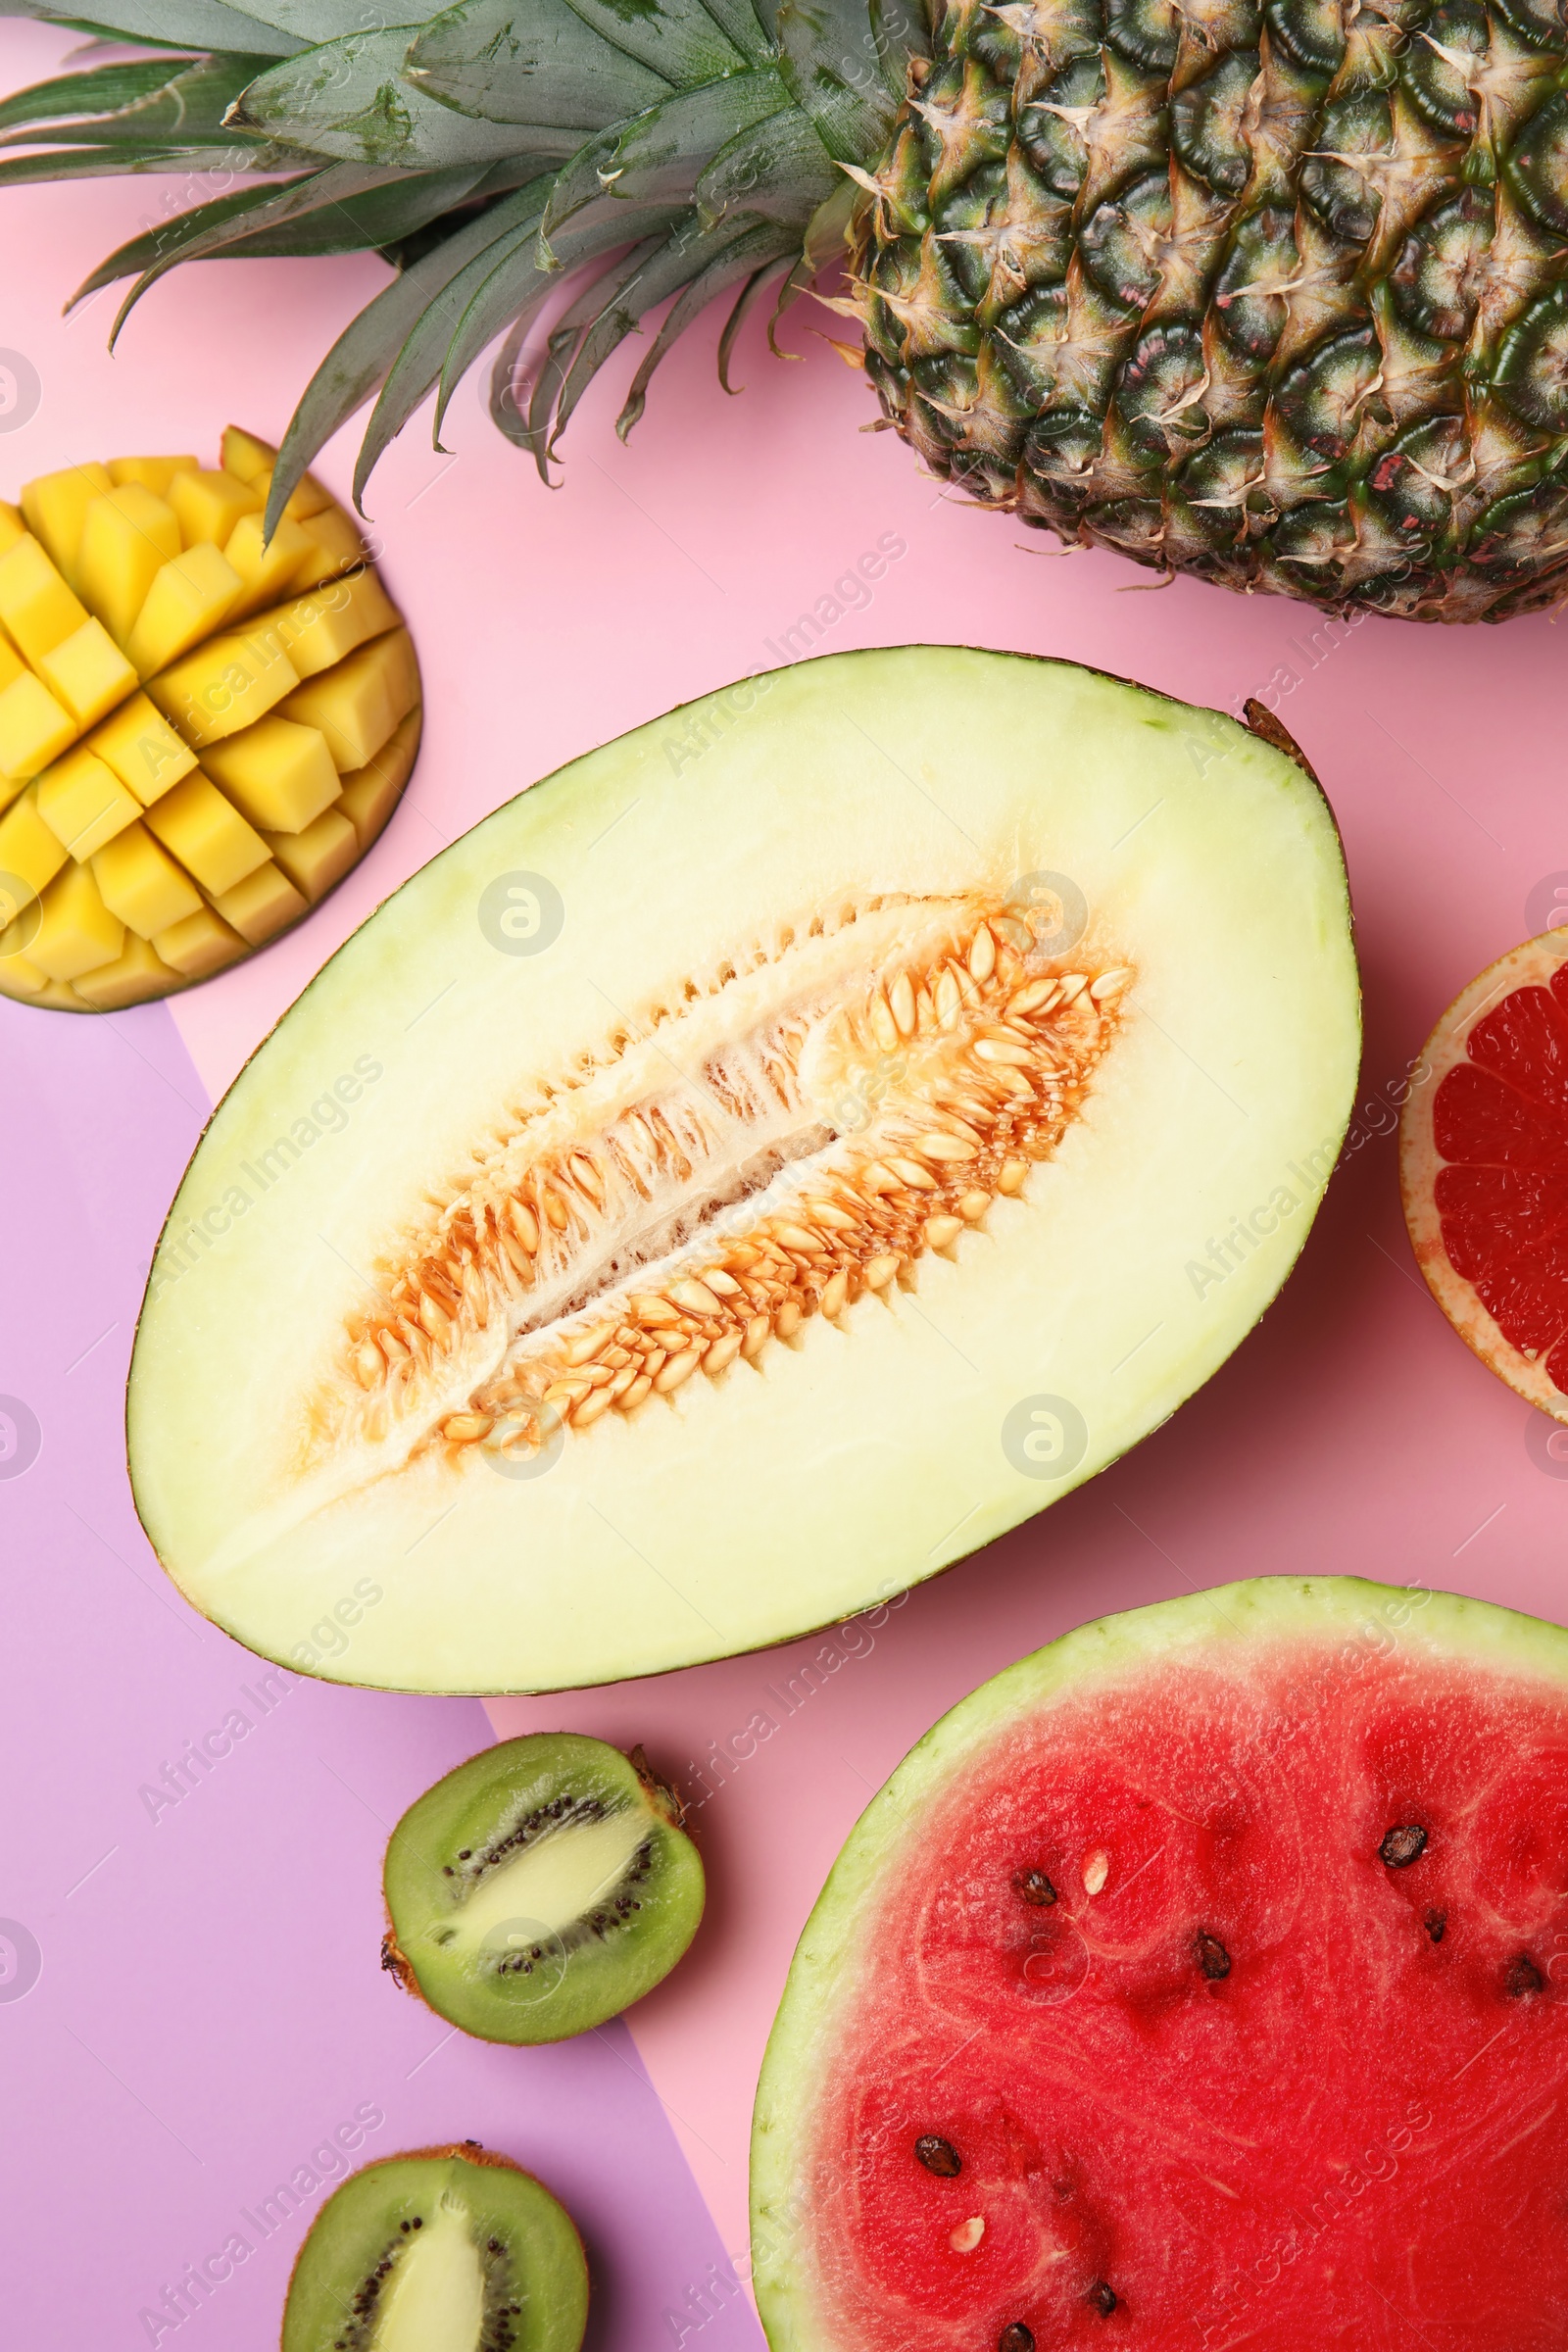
x=839, y=1940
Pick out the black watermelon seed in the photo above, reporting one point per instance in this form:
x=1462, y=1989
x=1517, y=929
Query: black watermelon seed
x=1436, y=1922
x=1016, y=2337
x=1035, y=1888
x=1401, y=1847
x=939, y=2156
x=1522, y=1976
x=1103, y=2297
x=1213, y=1958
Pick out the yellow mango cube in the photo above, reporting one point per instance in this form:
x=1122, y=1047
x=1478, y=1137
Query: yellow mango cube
x=207, y=834
x=225, y=685
x=141, y=747
x=33, y=728
x=358, y=704
x=137, y=972
x=83, y=803
x=317, y=629
x=371, y=793
x=336, y=545
x=12, y=789
x=139, y=881
x=202, y=944
x=278, y=774
x=37, y=607
x=125, y=540
x=76, y=932
x=12, y=664
x=243, y=454
x=31, y=857
x=13, y=525
x=185, y=603
x=20, y=976
x=56, y=508
x=319, y=855
x=88, y=674
x=209, y=505
x=262, y=905
x=267, y=567
x=155, y=473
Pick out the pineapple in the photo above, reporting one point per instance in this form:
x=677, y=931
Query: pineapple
x=183, y=774
x=1272, y=291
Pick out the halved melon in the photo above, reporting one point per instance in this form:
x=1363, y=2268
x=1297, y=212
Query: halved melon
x=749, y=1172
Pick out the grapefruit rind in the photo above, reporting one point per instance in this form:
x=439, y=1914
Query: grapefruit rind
x=1530, y=966
x=836, y=1962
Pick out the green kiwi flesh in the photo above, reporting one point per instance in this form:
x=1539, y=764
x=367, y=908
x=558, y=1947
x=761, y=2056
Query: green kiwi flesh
x=540, y=1889
x=439, y=2250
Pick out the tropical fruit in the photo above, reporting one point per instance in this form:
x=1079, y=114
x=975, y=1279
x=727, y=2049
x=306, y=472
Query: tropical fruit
x=1483, y=1168
x=202, y=725
x=1199, y=1981
x=1271, y=291
x=540, y=1889
x=439, y=2250
x=779, y=1154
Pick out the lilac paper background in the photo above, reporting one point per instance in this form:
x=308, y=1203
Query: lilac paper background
x=210, y=2006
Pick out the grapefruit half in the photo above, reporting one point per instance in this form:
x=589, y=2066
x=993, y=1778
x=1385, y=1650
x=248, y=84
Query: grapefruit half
x=1483, y=1168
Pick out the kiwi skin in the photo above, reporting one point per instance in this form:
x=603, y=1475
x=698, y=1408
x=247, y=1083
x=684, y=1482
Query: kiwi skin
x=606, y=1971
x=557, y=2295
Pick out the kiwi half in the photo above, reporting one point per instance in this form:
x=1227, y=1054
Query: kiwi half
x=439, y=2250
x=540, y=1889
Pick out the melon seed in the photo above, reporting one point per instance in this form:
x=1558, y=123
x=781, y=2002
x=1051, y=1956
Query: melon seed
x=1212, y=1957
x=1035, y=1888
x=939, y=2156
x=1016, y=2337
x=1401, y=1847
x=1103, y=2297
x=548, y=1230
x=1096, y=1870
x=1523, y=1978
x=968, y=2235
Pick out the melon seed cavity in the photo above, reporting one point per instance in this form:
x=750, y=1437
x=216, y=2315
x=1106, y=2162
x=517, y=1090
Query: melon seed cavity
x=1213, y=1958
x=1034, y=1888
x=1103, y=2297
x=791, y=1134
x=1016, y=2337
x=1401, y=1847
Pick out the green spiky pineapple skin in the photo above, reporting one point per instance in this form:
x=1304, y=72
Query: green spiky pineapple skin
x=1275, y=296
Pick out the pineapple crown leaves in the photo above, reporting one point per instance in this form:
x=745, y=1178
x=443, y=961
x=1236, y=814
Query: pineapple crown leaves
x=651, y=150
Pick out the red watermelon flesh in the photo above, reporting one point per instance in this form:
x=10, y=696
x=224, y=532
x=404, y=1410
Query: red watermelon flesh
x=1500, y=1123
x=1283, y=2065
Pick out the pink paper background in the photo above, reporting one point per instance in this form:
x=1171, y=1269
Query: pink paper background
x=1352, y=1432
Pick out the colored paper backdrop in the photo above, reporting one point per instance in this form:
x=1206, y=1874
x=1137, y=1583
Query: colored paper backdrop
x=190, y=2004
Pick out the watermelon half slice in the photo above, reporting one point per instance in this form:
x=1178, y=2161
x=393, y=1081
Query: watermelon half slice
x=1199, y=1982
x=1483, y=1168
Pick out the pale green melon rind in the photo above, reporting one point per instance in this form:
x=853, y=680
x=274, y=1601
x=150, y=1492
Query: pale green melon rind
x=838, y=1939
x=1241, y=1080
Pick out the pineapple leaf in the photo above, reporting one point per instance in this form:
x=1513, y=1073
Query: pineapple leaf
x=418, y=365
x=678, y=38
x=779, y=168
x=539, y=61
x=168, y=25
x=348, y=99
x=109, y=90
x=565, y=342
x=829, y=58
x=900, y=31
x=337, y=183
x=168, y=238
x=763, y=242
x=751, y=295
x=187, y=104
x=359, y=358
x=156, y=155
x=515, y=284
x=683, y=256
x=661, y=154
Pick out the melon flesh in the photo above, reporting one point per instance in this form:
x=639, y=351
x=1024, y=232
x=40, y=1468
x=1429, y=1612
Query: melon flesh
x=1202, y=1981
x=749, y=1172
